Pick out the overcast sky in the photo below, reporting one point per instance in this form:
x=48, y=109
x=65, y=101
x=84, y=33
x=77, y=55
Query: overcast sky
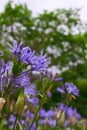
x=37, y=6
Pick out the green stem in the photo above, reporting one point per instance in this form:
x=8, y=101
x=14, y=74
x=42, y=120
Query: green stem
x=34, y=117
x=40, y=104
x=14, y=124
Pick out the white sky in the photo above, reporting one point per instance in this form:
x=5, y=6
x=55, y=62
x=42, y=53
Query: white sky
x=37, y=6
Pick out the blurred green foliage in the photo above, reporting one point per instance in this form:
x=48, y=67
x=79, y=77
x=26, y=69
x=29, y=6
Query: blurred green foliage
x=60, y=33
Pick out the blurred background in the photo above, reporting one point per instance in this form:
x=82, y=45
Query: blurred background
x=59, y=28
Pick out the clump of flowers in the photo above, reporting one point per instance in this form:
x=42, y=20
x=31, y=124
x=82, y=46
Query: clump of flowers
x=25, y=86
x=69, y=88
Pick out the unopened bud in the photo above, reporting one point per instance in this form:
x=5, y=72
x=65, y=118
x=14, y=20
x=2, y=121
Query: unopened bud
x=2, y=102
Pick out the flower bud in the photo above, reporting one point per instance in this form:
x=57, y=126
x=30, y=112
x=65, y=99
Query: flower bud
x=19, y=104
x=2, y=102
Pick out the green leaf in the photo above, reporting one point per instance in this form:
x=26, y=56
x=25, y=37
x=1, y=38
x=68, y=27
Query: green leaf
x=1, y=124
x=20, y=126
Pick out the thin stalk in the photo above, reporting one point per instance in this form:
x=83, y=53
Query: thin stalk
x=14, y=124
x=40, y=104
x=34, y=117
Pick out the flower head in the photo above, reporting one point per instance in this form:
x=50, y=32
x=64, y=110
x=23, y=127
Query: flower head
x=5, y=71
x=16, y=49
x=22, y=80
x=41, y=63
x=28, y=56
x=70, y=112
x=69, y=88
x=72, y=89
x=47, y=117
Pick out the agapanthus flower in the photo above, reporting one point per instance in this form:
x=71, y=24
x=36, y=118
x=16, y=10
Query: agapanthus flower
x=10, y=121
x=16, y=49
x=69, y=88
x=62, y=106
x=61, y=90
x=52, y=122
x=5, y=68
x=49, y=94
x=1, y=53
x=31, y=93
x=33, y=100
x=28, y=56
x=47, y=117
x=58, y=79
x=71, y=116
x=26, y=120
x=29, y=89
x=70, y=112
x=38, y=63
x=52, y=76
x=5, y=71
x=12, y=118
x=72, y=89
x=23, y=80
x=29, y=114
x=41, y=63
x=44, y=113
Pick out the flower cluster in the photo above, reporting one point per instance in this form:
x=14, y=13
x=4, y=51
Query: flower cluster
x=23, y=93
x=71, y=116
x=69, y=88
x=47, y=117
x=5, y=71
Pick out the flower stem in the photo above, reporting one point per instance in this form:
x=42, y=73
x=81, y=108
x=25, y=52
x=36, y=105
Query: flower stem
x=34, y=117
x=14, y=124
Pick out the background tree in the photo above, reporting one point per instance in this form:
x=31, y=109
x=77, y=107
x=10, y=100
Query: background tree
x=59, y=33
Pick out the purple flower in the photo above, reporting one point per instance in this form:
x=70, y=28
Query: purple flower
x=28, y=56
x=5, y=67
x=49, y=94
x=62, y=106
x=69, y=88
x=27, y=120
x=70, y=112
x=52, y=122
x=12, y=118
x=5, y=72
x=49, y=113
x=16, y=49
x=38, y=63
x=1, y=53
x=30, y=115
x=47, y=117
x=52, y=76
x=42, y=121
x=58, y=79
x=33, y=100
x=22, y=80
x=41, y=63
x=72, y=89
x=66, y=123
x=61, y=90
x=30, y=90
